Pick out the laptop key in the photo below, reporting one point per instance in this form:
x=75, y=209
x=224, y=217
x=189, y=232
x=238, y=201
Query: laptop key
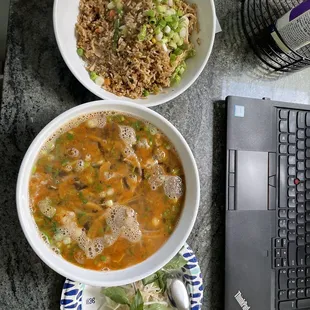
x=301, y=187
x=300, y=230
x=287, y=305
x=308, y=142
x=308, y=238
x=282, y=149
x=292, y=118
x=282, y=213
x=291, y=214
x=301, y=283
x=301, y=208
x=291, y=283
x=308, y=119
x=282, y=233
x=301, y=293
x=308, y=132
x=303, y=303
x=283, y=279
x=278, y=263
x=308, y=283
x=307, y=249
x=291, y=294
x=307, y=226
x=301, y=256
x=292, y=139
x=308, y=203
x=301, y=145
x=282, y=223
x=283, y=138
x=300, y=219
x=300, y=241
x=291, y=224
x=291, y=192
x=307, y=216
x=292, y=273
x=292, y=203
x=282, y=181
x=301, y=120
x=300, y=155
x=301, y=165
x=283, y=114
x=307, y=272
x=300, y=134
x=308, y=292
x=301, y=272
x=292, y=171
x=291, y=160
x=292, y=254
x=282, y=295
x=308, y=162
x=291, y=236
x=300, y=197
x=308, y=260
x=283, y=126
x=292, y=149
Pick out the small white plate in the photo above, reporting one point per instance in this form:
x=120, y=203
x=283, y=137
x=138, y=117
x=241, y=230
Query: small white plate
x=78, y=296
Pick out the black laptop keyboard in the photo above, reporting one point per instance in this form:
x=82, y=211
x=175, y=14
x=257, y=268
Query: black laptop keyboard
x=292, y=245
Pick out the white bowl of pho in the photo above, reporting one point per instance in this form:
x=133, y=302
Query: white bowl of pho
x=148, y=52
x=108, y=187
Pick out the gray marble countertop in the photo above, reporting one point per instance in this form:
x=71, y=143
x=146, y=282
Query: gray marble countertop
x=38, y=86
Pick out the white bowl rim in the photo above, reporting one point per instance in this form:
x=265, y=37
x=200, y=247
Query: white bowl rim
x=41, y=248
x=170, y=96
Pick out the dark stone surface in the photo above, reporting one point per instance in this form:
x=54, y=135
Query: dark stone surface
x=38, y=86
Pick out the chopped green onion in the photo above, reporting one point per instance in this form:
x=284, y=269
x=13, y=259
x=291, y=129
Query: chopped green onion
x=80, y=52
x=180, y=42
x=84, y=200
x=111, y=5
x=103, y=258
x=157, y=30
x=93, y=75
x=168, y=19
x=150, y=13
x=162, y=23
x=161, y=9
x=174, y=25
x=180, y=13
x=191, y=53
x=120, y=12
x=184, y=46
x=173, y=57
x=176, y=37
x=164, y=40
x=182, y=70
x=142, y=34
x=178, y=51
x=119, y=5
x=173, y=45
x=176, y=80
x=33, y=170
x=70, y=136
x=145, y=93
x=116, y=34
x=153, y=20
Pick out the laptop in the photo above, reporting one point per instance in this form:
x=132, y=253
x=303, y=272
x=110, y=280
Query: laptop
x=267, y=251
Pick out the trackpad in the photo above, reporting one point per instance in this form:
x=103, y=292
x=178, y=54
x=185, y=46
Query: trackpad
x=252, y=180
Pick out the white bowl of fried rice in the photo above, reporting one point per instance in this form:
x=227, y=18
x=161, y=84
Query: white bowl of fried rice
x=144, y=51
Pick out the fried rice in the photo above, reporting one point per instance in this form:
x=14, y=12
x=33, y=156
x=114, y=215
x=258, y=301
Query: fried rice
x=122, y=52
